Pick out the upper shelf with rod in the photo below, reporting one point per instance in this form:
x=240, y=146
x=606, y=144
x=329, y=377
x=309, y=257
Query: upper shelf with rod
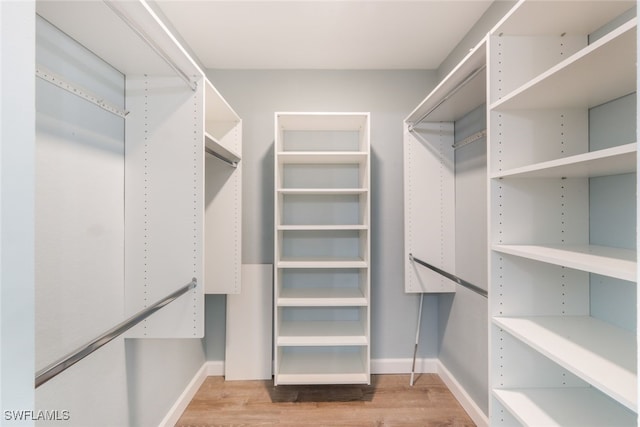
x=138, y=42
x=461, y=91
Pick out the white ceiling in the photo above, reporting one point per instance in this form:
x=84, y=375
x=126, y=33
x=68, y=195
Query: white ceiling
x=322, y=34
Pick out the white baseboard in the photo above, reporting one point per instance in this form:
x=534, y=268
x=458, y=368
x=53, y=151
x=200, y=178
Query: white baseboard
x=403, y=366
x=474, y=411
x=378, y=366
x=208, y=369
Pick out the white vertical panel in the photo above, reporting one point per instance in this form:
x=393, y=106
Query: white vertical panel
x=223, y=220
x=517, y=59
x=249, y=328
x=429, y=199
x=164, y=178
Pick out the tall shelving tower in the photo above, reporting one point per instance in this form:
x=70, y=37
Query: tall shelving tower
x=322, y=239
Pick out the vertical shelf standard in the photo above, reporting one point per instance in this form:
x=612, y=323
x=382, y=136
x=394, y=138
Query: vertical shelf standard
x=322, y=239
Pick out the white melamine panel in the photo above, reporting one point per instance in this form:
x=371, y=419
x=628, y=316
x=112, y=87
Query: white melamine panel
x=554, y=18
x=614, y=262
x=534, y=211
x=514, y=364
x=98, y=26
x=522, y=286
x=249, y=333
x=608, y=161
x=602, y=71
x=583, y=406
x=516, y=60
x=599, y=353
x=219, y=117
x=323, y=365
x=322, y=333
x=164, y=206
x=429, y=193
x=461, y=91
x=521, y=138
x=223, y=219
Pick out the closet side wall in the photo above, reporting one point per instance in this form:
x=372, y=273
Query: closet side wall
x=462, y=322
x=17, y=115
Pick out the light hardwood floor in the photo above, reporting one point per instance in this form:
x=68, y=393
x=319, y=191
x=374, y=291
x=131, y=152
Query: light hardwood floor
x=388, y=401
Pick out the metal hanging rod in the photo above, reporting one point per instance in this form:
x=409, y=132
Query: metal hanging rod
x=471, y=138
x=450, y=276
x=60, y=81
x=450, y=94
x=221, y=157
x=149, y=41
x=44, y=375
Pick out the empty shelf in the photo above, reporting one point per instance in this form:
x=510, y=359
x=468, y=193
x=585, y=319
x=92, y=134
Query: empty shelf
x=566, y=406
x=321, y=297
x=599, y=353
x=613, y=262
x=610, y=161
x=323, y=157
x=322, y=367
x=321, y=333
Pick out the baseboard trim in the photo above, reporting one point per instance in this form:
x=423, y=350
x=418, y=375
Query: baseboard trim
x=378, y=366
x=215, y=368
x=474, y=411
x=403, y=366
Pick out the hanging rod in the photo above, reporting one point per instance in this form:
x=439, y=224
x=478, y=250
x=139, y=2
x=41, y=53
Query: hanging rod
x=221, y=157
x=60, y=81
x=450, y=276
x=452, y=92
x=45, y=374
x=149, y=41
x=471, y=138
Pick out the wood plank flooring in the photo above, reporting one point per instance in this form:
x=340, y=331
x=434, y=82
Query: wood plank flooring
x=388, y=401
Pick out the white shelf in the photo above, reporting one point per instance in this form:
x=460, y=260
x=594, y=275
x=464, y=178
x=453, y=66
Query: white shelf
x=214, y=145
x=321, y=297
x=338, y=227
x=552, y=18
x=322, y=368
x=461, y=101
x=610, y=161
x=321, y=333
x=322, y=157
x=612, y=262
x=322, y=263
x=601, y=354
x=602, y=71
x=323, y=191
x=567, y=406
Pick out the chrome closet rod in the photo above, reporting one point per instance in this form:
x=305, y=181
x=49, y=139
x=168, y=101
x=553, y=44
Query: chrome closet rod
x=452, y=92
x=157, y=49
x=221, y=157
x=450, y=276
x=45, y=374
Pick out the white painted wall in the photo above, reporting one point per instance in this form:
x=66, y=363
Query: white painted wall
x=17, y=114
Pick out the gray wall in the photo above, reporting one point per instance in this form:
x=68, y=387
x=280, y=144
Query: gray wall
x=389, y=96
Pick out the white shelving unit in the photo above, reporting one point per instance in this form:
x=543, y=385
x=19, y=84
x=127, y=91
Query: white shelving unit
x=172, y=113
x=322, y=274
x=429, y=172
x=553, y=360
x=223, y=195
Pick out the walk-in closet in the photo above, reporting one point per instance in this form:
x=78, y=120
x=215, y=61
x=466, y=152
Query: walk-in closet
x=320, y=212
